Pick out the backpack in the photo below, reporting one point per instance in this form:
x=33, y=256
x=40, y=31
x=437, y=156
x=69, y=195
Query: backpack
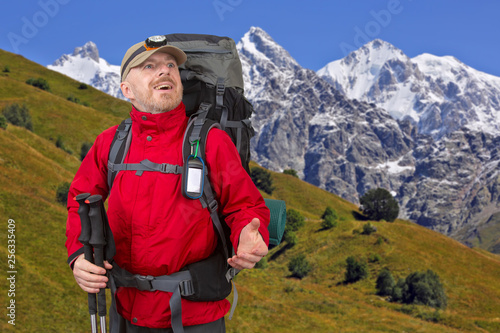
x=213, y=95
x=213, y=85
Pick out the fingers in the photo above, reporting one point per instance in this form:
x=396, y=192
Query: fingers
x=107, y=265
x=245, y=260
x=254, y=224
x=89, y=276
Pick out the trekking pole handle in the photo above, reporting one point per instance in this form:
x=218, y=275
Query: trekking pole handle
x=97, y=235
x=83, y=212
x=98, y=241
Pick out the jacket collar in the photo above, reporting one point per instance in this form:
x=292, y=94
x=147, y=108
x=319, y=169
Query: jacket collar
x=161, y=122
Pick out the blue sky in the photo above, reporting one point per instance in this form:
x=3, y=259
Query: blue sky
x=314, y=32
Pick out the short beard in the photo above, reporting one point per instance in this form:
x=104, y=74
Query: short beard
x=154, y=106
x=151, y=105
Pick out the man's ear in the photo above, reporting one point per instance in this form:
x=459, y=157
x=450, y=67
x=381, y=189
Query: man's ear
x=126, y=90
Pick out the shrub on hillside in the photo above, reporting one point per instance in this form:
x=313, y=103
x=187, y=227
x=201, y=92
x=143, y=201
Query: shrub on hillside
x=329, y=218
x=62, y=193
x=40, y=83
x=368, y=229
x=397, y=291
x=378, y=204
x=329, y=222
x=262, y=179
x=3, y=122
x=6, y=69
x=74, y=99
x=291, y=172
x=85, y=149
x=83, y=86
x=385, y=283
x=424, y=288
x=356, y=270
x=290, y=238
x=294, y=220
x=18, y=116
x=299, y=266
x=329, y=211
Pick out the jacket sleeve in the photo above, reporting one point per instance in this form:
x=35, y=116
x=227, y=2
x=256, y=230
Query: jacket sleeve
x=91, y=178
x=239, y=199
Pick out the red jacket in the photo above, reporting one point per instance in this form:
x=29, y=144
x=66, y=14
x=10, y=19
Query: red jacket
x=157, y=231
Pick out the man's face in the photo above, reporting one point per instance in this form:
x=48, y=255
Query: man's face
x=155, y=85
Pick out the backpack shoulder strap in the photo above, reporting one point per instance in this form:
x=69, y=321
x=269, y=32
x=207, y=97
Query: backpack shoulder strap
x=195, y=138
x=119, y=148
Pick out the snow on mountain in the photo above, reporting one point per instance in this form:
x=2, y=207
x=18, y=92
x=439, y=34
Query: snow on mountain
x=438, y=94
x=86, y=66
x=423, y=128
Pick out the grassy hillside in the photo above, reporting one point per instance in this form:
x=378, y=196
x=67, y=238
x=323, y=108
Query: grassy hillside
x=48, y=299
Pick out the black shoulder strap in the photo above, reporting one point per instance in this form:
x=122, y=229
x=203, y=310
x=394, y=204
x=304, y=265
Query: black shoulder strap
x=119, y=148
x=196, y=135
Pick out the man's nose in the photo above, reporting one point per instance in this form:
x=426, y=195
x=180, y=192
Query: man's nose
x=164, y=70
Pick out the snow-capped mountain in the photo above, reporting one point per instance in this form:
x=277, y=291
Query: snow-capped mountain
x=412, y=126
x=303, y=122
x=86, y=66
x=438, y=94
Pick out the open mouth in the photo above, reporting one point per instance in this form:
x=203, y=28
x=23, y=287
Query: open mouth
x=163, y=87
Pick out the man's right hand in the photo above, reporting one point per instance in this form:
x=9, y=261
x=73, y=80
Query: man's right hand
x=89, y=276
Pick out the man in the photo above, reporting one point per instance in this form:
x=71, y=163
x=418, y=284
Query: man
x=157, y=230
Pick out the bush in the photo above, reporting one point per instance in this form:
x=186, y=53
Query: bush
x=3, y=122
x=85, y=149
x=329, y=211
x=368, y=229
x=74, y=99
x=424, y=288
x=262, y=179
x=291, y=172
x=290, y=238
x=329, y=222
x=378, y=204
x=62, y=193
x=329, y=218
x=6, y=69
x=397, y=291
x=83, y=86
x=385, y=283
x=299, y=266
x=294, y=220
x=18, y=116
x=356, y=270
x=40, y=83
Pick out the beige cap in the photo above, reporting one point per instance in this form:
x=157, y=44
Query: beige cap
x=138, y=53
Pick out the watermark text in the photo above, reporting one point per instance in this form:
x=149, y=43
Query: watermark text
x=11, y=271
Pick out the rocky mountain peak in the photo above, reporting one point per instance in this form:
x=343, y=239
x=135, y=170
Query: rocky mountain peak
x=257, y=45
x=89, y=50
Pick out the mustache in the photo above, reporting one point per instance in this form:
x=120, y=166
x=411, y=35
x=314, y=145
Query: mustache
x=163, y=81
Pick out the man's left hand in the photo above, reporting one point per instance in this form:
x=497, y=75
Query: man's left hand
x=251, y=247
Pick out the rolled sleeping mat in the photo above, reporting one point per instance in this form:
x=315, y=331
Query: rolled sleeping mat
x=278, y=220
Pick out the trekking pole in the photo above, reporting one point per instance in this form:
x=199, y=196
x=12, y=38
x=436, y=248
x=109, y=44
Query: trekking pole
x=83, y=211
x=98, y=241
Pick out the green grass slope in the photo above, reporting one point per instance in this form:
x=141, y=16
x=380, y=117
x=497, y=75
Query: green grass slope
x=321, y=302
x=48, y=299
